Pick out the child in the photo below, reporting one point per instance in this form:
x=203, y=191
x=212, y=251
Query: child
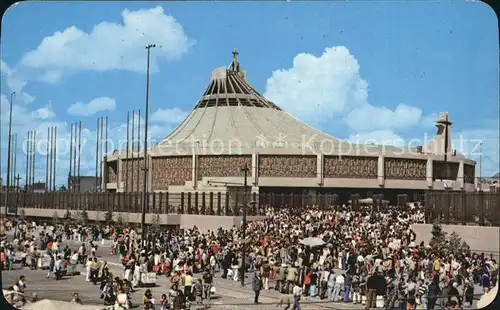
x=198, y=292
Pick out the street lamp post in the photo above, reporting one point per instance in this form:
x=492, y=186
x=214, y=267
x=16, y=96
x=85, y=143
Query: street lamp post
x=480, y=166
x=9, y=147
x=17, y=178
x=145, y=185
x=245, y=170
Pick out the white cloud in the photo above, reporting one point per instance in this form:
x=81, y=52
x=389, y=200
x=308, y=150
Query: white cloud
x=16, y=83
x=467, y=142
x=170, y=115
x=328, y=89
x=111, y=46
x=369, y=117
x=94, y=106
x=44, y=113
x=322, y=85
x=378, y=137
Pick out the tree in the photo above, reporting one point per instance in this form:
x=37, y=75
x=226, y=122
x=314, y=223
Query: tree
x=55, y=218
x=108, y=217
x=68, y=218
x=22, y=214
x=438, y=239
x=83, y=217
x=456, y=245
x=155, y=223
x=120, y=223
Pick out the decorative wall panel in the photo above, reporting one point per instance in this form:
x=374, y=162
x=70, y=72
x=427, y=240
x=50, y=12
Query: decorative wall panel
x=405, y=168
x=288, y=166
x=223, y=165
x=174, y=170
x=350, y=167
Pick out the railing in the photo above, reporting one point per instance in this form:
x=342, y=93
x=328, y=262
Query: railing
x=481, y=208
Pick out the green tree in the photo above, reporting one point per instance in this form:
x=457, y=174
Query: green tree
x=22, y=214
x=155, y=224
x=83, y=217
x=438, y=239
x=108, y=217
x=455, y=244
x=120, y=223
x=55, y=218
x=68, y=218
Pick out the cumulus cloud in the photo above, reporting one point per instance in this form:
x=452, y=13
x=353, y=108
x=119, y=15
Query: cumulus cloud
x=377, y=137
x=368, y=117
x=111, y=46
x=328, y=89
x=16, y=83
x=481, y=145
x=170, y=115
x=323, y=85
x=94, y=106
x=44, y=113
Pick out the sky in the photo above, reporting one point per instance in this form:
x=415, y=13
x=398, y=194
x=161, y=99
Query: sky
x=357, y=70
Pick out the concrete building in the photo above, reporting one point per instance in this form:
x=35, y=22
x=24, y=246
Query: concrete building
x=84, y=184
x=233, y=126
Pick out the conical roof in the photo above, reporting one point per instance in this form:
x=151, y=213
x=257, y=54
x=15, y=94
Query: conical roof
x=232, y=114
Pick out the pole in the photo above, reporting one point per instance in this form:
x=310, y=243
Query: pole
x=126, y=161
x=47, y=161
x=244, y=225
x=55, y=158
x=70, y=182
x=132, y=155
x=138, y=145
x=14, y=170
x=27, y=160
x=106, y=152
x=97, y=156
x=50, y=158
x=101, y=140
x=9, y=142
x=79, y=153
x=33, y=158
x=145, y=185
x=480, y=166
x=17, y=204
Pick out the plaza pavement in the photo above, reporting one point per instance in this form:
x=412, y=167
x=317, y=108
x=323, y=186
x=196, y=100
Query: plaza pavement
x=229, y=294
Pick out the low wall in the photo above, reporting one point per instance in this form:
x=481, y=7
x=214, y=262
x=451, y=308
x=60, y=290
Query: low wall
x=482, y=239
x=186, y=221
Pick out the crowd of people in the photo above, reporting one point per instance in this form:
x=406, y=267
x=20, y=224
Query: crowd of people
x=333, y=254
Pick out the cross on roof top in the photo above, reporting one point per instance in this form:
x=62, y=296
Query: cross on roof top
x=235, y=54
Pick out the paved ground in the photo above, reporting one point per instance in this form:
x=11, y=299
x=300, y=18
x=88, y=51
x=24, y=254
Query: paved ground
x=229, y=294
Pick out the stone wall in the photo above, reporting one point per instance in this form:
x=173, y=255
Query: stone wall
x=469, y=174
x=291, y=166
x=172, y=170
x=223, y=165
x=405, y=168
x=133, y=173
x=350, y=167
x=479, y=238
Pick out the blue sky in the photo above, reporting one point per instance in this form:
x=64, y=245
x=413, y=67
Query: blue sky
x=357, y=70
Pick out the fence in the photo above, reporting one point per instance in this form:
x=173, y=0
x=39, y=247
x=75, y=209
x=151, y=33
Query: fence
x=204, y=203
x=481, y=208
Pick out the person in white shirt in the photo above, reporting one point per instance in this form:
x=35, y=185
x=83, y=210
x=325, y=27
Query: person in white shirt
x=297, y=293
x=339, y=284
